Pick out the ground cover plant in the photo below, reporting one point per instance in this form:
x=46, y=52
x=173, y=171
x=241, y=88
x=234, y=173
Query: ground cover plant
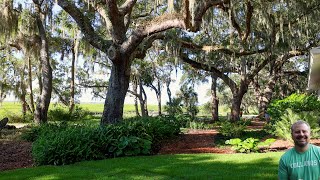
x=64, y=143
x=186, y=166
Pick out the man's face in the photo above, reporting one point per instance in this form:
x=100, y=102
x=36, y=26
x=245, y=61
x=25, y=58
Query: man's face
x=301, y=135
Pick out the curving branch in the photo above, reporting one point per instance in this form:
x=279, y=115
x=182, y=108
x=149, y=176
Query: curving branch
x=126, y=7
x=234, y=23
x=159, y=24
x=85, y=25
x=117, y=20
x=214, y=70
x=202, y=8
x=248, y=20
x=222, y=49
x=141, y=51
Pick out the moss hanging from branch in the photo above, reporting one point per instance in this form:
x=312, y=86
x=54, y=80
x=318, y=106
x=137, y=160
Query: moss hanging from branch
x=9, y=21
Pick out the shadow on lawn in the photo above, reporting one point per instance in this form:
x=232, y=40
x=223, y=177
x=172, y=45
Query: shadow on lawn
x=184, y=166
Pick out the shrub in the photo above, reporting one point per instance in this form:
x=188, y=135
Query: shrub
x=65, y=144
x=282, y=128
x=159, y=128
x=18, y=117
x=183, y=119
x=295, y=102
x=31, y=133
x=199, y=125
x=249, y=144
x=62, y=114
x=175, y=107
x=230, y=129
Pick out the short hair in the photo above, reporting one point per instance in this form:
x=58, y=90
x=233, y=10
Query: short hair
x=298, y=123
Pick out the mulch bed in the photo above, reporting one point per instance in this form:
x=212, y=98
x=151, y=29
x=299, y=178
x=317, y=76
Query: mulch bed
x=17, y=154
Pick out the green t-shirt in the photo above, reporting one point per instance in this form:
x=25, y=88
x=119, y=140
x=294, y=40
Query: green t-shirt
x=300, y=166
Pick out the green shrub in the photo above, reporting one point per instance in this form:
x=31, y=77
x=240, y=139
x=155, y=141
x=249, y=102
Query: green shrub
x=31, y=133
x=249, y=144
x=199, y=125
x=282, y=128
x=295, y=102
x=232, y=130
x=18, y=117
x=65, y=144
x=159, y=128
x=175, y=107
x=78, y=143
x=183, y=119
x=62, y=114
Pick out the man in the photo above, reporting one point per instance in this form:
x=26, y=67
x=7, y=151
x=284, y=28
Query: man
x=303, y=161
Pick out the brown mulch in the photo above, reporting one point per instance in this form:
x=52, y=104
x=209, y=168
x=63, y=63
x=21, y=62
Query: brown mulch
x=15, y=154
x=194, y=141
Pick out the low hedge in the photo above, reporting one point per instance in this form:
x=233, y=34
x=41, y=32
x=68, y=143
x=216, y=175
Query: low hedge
x=60, y=144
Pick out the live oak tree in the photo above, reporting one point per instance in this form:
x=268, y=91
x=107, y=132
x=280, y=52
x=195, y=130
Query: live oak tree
x=125, y=30
x=255, y=38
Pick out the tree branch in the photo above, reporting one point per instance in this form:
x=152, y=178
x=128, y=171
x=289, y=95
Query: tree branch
x=143, y=48
x=248, y=20
x=207, y=49
x=85, y=25
x=126, y=7
x=215, y=71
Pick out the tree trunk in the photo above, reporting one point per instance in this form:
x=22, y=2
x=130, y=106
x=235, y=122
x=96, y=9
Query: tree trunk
x=169, y=91
x=30, y=84
x=214, y=100
x=72, y=87
x=143, y=101
x=159, y=104
x=41, y=111
x=117, y=90
x=237, y=99
x=135, y=90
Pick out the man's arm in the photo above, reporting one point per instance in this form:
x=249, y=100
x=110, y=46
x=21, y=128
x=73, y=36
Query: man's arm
x=282, y=171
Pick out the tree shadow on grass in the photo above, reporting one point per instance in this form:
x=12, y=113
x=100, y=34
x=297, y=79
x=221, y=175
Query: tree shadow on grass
x=183, y=166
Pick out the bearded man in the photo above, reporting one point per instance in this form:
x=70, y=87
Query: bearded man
x=302, y=162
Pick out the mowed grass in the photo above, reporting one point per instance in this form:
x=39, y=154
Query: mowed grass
x=15, y=107
x=184, y=166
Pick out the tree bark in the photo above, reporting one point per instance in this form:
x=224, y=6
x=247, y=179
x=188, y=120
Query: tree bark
x=135, y=90
x=41, y=111
x=30, y=85
x=72, y=82
x=143, y=101
x=214, y=98
x=117, y=90
x=237, y=97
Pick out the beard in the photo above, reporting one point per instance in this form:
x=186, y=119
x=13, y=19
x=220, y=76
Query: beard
x=300, y=143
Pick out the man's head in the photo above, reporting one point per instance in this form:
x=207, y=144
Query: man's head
x=300, y=132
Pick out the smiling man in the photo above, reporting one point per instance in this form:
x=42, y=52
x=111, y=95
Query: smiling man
x=303, y=161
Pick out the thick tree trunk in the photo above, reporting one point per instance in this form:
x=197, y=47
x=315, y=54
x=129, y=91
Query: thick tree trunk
x=117, y=90
x=236, y=101
x=41, y=111
x=30, y=84
x=214, y=100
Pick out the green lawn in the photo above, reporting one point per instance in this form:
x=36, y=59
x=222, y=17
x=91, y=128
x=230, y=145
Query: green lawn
x=187, y=166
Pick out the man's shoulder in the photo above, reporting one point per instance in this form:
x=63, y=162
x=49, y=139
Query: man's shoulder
x=315, y=148
x=288, y=153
